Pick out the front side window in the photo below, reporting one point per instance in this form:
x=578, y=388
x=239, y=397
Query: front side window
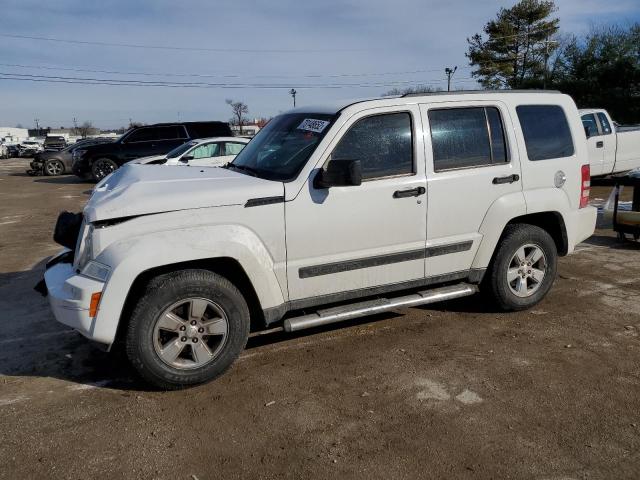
x=142, y=135
x=178, y=151
x=467, y=137
x=590, y=125
x=546, y=131
x=206, y=150
x=382, y=143
x=604, y=122
x=281, y=149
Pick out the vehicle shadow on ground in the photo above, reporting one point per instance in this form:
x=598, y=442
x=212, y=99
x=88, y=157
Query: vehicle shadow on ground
x=612, y=242
x=33, y=344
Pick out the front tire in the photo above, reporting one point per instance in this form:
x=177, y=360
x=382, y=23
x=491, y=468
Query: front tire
x=103, y=167
x=53, y=168
x=187, y=328
x=523, y=269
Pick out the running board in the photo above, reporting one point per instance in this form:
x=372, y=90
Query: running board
x=371, y=307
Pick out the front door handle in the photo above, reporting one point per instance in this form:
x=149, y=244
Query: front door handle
x=508, y=179
x=414, y=192
x=599, y=144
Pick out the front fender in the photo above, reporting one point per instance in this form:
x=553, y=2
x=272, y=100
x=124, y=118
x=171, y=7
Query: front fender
x=131, y=257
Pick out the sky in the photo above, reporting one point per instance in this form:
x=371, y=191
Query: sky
x=358, y=48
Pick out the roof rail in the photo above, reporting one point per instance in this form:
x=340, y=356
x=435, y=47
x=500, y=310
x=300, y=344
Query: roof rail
x=464, y=92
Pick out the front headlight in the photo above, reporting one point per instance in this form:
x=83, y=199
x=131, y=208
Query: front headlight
x=97, y=271
x=84, y=249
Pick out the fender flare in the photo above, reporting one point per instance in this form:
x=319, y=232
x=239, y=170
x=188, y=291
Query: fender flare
x=135, y=256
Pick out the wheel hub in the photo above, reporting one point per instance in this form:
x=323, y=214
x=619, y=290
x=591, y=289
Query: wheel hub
x=526, y=270
x=190, y=333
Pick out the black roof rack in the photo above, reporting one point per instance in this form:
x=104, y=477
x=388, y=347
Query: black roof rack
x=464, y=92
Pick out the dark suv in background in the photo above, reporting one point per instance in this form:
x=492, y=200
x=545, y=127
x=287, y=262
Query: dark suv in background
x=98, y=161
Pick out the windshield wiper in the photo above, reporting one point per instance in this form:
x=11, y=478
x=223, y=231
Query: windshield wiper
x=251, y=171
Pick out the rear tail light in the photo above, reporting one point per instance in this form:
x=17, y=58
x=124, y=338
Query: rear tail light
x=585, y=186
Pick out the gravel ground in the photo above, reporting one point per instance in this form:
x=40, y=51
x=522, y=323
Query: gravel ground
x=450, y=391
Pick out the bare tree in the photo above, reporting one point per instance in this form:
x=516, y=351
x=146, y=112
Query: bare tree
x=85, y=129
x=239, y=109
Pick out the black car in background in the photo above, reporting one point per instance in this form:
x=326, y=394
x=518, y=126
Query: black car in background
x=52, y=162
x=98, y=161
x=55, y=143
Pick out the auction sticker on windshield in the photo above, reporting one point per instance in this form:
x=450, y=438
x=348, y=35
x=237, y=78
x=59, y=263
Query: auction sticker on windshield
x=313, y=125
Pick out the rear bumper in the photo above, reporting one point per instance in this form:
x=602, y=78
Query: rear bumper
x=580, y=225
x=70, y=298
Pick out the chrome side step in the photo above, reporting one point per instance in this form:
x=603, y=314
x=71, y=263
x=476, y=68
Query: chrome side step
x=361, y=309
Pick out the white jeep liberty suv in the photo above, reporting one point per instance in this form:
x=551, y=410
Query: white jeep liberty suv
x=329, y=213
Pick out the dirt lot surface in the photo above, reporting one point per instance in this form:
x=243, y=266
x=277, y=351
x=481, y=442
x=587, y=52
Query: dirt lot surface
x=450, y=391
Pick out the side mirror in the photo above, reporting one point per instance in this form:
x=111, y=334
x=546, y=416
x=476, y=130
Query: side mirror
x=186, y=158
x=339, y=173
x=587, y=132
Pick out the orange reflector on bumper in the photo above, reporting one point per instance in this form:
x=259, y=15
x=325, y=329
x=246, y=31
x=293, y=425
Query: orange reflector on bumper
x=95, y=301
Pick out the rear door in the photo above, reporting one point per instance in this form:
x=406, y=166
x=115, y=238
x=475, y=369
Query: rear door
x=470, y=165
x=595, y=144
x=609, y=143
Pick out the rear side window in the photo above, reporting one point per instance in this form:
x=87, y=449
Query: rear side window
x=382, y=143
x=174, y=132
x=467, y=137
x=208, y=129
x=546, y=131
x=604, y=123
x=232, y=148
x=590, y=125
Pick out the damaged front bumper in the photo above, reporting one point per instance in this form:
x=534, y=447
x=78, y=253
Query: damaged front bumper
x=70, y=295
x=37, y=168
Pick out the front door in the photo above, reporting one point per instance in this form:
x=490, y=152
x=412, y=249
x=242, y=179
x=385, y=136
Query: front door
x=358, y=237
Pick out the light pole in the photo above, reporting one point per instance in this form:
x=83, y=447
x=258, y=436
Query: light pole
x=449, y=72
x=293, y=93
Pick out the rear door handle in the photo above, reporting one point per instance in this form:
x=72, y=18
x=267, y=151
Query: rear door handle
x=599, y=144
x=414, y=192
x=507, y=179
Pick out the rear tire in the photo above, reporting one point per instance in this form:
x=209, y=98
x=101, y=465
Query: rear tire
x=515, y=283
x=198, y=314
x=103, y=167
x=53, y=168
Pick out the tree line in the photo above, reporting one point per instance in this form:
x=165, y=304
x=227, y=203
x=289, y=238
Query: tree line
x=523, y=47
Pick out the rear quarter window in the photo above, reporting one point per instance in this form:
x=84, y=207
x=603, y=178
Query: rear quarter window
x=546, y=132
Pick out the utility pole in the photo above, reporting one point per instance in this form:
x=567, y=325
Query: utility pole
x=449, y=72
x=293, y=93
x=38, y=127
x=547, y=42
x=75, y=126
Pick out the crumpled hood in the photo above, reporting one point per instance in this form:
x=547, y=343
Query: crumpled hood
x=145, y=160
x=134, y=190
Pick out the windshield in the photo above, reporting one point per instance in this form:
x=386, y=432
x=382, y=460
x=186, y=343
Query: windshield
x=176, y=152
x=282, y=148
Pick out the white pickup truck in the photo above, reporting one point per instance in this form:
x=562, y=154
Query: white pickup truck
x=612, y=148
x=329, y=213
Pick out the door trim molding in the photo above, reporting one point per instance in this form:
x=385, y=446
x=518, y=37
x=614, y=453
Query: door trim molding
x=378, y=260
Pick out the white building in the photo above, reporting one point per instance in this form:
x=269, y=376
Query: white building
x=13, y=135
